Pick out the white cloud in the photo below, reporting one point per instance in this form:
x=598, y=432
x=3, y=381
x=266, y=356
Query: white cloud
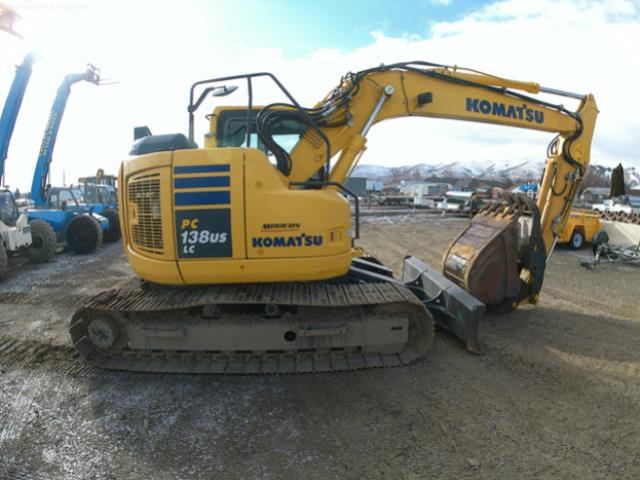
x=156, y=52
x=440, y=2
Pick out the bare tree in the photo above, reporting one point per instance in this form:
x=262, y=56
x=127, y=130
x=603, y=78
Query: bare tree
x=396, y=175
x=594, y=178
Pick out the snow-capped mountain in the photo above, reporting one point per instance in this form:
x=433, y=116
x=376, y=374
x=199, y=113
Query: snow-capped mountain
x=509, y=172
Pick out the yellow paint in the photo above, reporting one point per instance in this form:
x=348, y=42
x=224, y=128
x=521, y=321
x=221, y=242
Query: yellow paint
x=260, y=198
x=586, y=221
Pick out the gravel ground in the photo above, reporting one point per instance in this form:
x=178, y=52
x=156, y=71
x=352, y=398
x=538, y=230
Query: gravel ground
x=556, y=393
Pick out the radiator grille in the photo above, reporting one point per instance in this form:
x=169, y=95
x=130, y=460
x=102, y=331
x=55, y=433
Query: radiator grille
x=146, y=228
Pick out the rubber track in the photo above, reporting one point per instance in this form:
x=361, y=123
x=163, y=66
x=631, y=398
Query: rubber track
x=164, y=300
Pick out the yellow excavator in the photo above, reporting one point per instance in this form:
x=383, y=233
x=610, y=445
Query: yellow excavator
x=247, y=247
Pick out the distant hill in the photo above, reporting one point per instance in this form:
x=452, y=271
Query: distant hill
x=506, y=172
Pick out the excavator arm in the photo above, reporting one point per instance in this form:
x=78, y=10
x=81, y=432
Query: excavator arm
x=387, y=92
x=491, y=258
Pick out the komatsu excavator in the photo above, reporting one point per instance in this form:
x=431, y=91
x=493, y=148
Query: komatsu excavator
x=247, y=247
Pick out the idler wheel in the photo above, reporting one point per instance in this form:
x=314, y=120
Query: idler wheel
x=103, y=332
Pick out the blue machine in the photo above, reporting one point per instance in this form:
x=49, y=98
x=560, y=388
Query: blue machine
x=12, y=107
x=72, y=220
x=103, y=200
x=34, y=239
x=529, y=188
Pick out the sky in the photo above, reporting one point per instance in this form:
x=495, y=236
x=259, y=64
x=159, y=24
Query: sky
x=156, y=49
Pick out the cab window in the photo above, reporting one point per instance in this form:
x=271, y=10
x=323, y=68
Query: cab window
x=231, y=131
x=90, y=195
x=8, y=211
x=61, y=198
x=78, y=196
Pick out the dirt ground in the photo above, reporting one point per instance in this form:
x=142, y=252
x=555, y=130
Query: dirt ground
x=555, y=395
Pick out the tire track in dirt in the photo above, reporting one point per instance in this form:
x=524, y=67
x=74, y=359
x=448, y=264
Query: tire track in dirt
x=34, y=355
x=44, y=300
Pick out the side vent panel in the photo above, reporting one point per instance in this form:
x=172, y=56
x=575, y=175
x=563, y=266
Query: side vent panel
x=146, y=213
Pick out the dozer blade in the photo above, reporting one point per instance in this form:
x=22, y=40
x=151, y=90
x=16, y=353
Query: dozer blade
x=453, y=309
x=487, y=259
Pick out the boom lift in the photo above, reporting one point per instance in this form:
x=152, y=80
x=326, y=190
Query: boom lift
x=256, y=225
x=70, y=218
x=33, y=238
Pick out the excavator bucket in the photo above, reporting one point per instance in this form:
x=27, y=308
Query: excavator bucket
x=486, y=259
